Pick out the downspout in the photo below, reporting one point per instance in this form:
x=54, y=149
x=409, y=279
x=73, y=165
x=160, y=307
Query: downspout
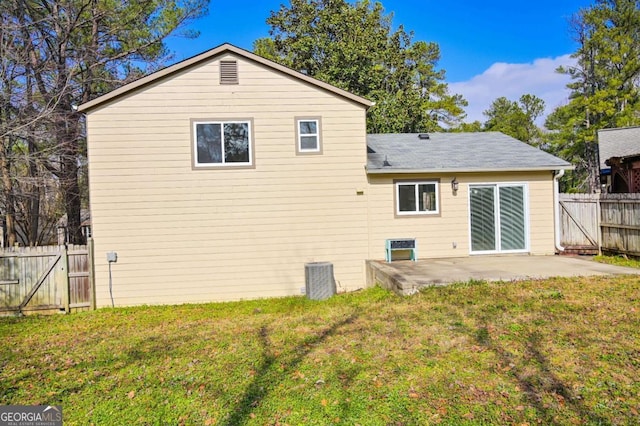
x=556, y=207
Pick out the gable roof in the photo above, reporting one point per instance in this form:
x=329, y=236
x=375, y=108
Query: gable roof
x=620, y=142
x=208, y=55
x=455, y=152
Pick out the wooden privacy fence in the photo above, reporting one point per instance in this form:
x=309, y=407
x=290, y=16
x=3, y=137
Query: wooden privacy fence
x=591, y=223
x=47, y=278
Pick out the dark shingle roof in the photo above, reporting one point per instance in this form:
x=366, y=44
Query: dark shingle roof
x=482, y=151
x=622, y=142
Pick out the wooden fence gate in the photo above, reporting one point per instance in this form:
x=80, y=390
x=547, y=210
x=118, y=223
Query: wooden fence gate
x=579, y=223
x=591, y=223
x=47, y=278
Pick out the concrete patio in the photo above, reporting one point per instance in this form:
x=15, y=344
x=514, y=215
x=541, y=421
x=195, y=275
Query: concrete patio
x=406, y=277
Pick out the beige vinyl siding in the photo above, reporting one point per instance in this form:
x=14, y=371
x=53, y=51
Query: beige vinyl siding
x=185, y=235
x=436, y=234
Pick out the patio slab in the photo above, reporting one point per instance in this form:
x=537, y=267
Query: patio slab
x=406, y=277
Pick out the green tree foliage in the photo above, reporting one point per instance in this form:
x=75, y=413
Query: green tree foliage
x=604, y=87
x=61, y=53
x=475, y=126
x=354, y=47
x=516, y=118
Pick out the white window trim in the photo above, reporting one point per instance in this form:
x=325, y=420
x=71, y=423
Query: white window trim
x=496, y=201
x=416, y=184
x=299, y=135
x=223, y=164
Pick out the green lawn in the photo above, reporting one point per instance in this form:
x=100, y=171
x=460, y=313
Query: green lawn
x=629, y=262
x=560, y=351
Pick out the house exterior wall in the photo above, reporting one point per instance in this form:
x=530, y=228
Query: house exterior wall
x=437, y=234
x=190, y=235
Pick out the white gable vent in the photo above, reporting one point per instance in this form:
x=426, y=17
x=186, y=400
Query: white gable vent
x=228, y=72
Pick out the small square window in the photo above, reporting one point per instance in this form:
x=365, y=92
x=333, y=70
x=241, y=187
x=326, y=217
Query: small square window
x=308, y=136
x=222, y=143
x=417, y=198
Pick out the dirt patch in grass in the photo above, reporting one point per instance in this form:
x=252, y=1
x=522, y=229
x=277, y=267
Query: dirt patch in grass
x=561, y=351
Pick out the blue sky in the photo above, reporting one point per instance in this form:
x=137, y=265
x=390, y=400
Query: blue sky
x=488, y=48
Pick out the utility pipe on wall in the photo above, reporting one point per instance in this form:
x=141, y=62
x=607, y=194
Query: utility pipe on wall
x=556, y=207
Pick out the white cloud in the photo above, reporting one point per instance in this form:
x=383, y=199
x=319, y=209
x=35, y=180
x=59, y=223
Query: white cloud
x=514, y=80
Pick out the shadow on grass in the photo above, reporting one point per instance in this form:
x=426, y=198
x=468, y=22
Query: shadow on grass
x=544, y=381
x=269, y=373
x=106, y=372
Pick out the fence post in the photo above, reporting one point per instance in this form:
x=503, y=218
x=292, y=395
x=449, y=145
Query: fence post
x=92, y=275
x=65, y=283
x=599, y=223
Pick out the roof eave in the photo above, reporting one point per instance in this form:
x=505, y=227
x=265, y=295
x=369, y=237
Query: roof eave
x=87, y=106
x=472, y=170
x=618, y=129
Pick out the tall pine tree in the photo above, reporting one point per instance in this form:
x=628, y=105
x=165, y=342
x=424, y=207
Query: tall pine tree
x=517, y=119
x=604, y=88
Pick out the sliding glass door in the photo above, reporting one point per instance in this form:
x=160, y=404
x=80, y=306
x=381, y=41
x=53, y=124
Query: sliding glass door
x=498, y=218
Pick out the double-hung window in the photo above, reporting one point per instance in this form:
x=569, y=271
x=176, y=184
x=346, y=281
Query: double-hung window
x=222, y=143
x=417, y=198
x=308, y=136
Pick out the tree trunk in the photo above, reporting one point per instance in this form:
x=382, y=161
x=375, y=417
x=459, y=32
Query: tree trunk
x=7, y=187
x=71, y=190
x=34, y=195
x=33, y=189
x=67, y=127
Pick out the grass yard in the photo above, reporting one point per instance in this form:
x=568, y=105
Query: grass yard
x=619, y=261
x=559, y=351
